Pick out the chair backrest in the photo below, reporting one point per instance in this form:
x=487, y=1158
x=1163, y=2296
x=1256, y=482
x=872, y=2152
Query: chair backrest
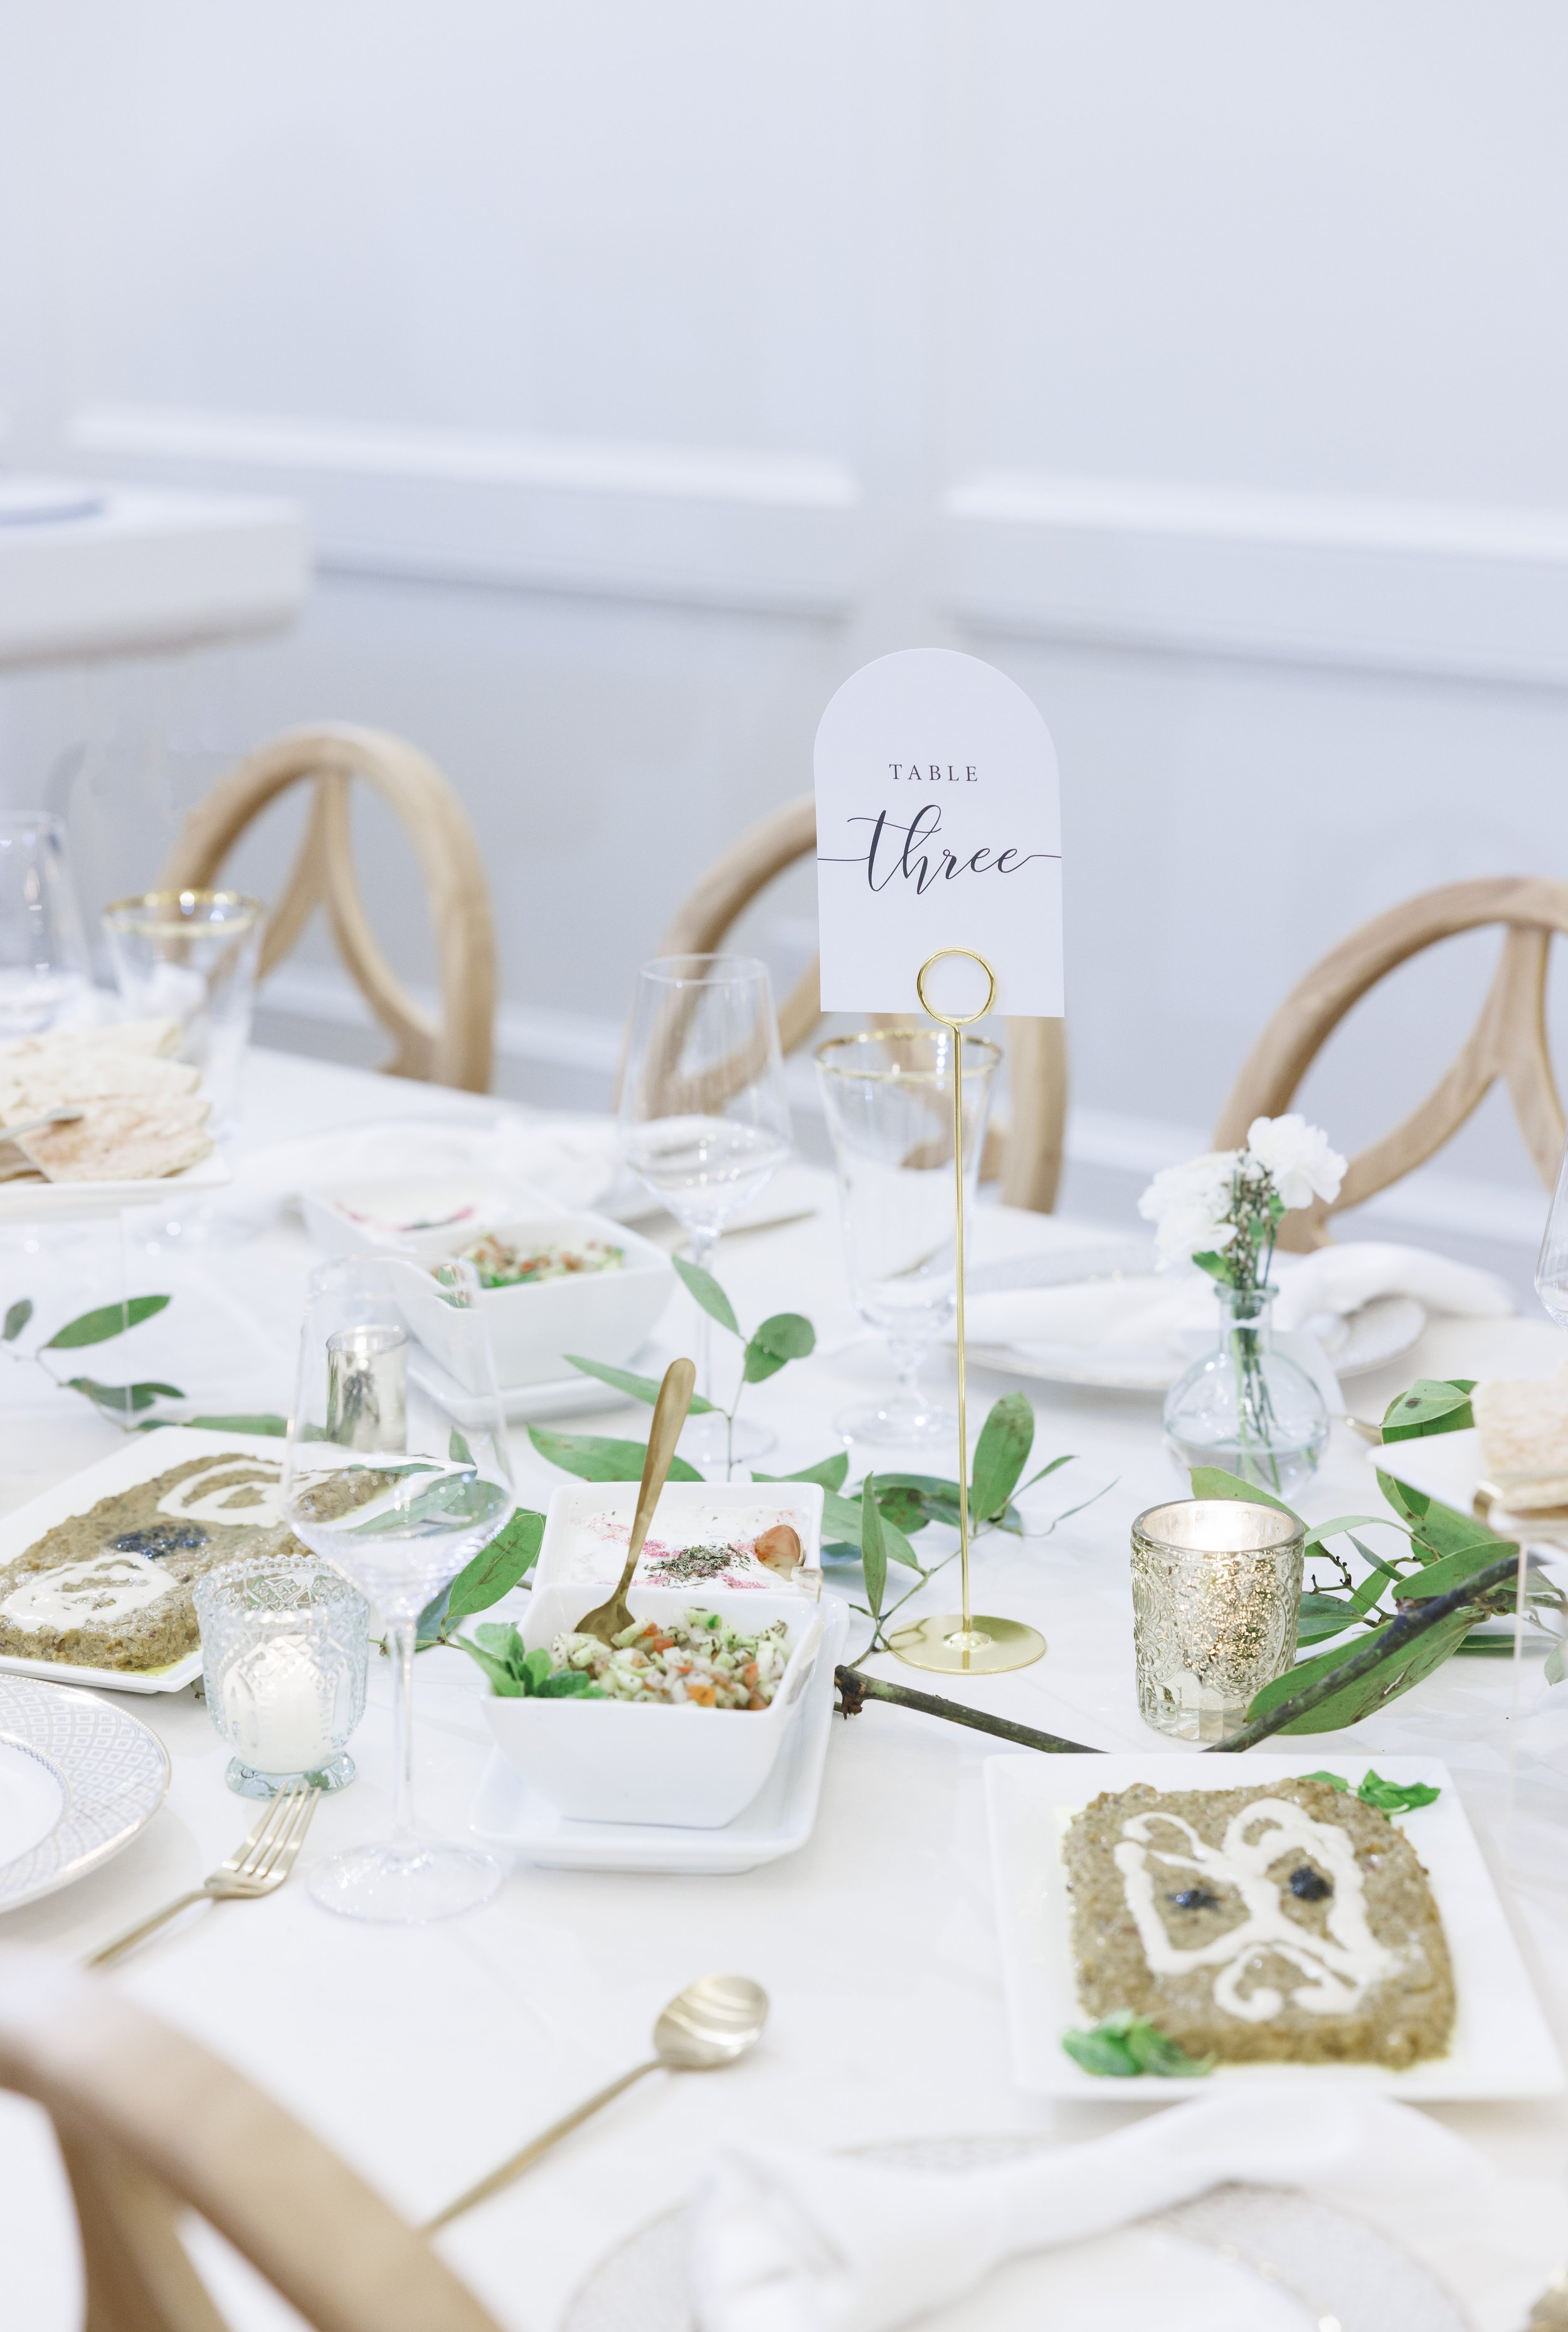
x=150, y=2123
x=1508, y=1040
x=1028, y=1152
x=451, y=1050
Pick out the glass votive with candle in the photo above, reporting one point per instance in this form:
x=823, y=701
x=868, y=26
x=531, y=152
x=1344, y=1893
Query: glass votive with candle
x=1216, y=1590
x=285, y=1647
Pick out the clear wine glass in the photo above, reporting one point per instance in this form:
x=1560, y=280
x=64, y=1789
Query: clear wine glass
x=1552, y=1265
x=704, y=1121
x=43, y=966
x=888, y=1097
x=380, y=1482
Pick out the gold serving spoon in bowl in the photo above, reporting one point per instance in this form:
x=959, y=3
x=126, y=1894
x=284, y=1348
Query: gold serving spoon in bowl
x=711, y=2024
x=606, y=1620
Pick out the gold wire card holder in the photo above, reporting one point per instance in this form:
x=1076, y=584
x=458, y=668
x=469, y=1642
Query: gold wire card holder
x=962, y=1643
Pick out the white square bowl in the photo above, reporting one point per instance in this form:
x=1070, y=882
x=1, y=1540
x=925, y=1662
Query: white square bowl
x=681, y=1767
x=605, y=1315
x=570, y=1554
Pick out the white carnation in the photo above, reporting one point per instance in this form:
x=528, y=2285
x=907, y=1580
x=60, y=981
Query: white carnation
x=1188, y=1205
x=1297, y=1157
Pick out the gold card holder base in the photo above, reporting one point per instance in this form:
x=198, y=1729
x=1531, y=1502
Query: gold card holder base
x=986, y=1646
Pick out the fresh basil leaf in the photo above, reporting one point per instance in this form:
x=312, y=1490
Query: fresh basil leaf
x=1098, y=2051
x=638, y=1388
x=592, y=1457
x=1335, y=1781
x=1122, y=2044
x=1153, y=2051
x=1000, y=1455
x=1214, y=1482
x=786, y=1336
x=706, y=1290
x=570, y=1684
x=124, y=1400
x=17, y=1319
x=499, y=1637
x=497, y=1568
x=872, y=1550
x=110, y=1320
x=1395, y=1797
x=503, y=1683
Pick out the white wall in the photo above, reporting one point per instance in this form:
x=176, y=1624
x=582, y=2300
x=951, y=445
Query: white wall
x=647, y=367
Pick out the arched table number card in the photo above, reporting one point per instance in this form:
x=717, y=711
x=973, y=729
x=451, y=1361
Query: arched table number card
x=939, y=888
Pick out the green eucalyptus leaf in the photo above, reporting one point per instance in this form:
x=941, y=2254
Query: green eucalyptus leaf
x=1322, y=1531
x=1557, y=1661
x=457, y=1448
x=706, y=1290
x=1397, y=1674
x=594, y=1458
x=829, y=1471
x=638, y=1388
x=262, y=1421
x=497, y=1568
x=786, y=1336
x=1442, y=1577
x=124, y=1400
x=17, y=1319
x=842, y=1517
x=1214, y=1482
x=1322, y=1616
x=872, y=1550
x=110, y=1320
x=1001, y=1453
x=1217, y=1266
x=1431, y=1405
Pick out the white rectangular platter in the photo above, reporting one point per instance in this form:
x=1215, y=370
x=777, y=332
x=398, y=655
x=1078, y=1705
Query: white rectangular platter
x=50, y=1202
x=1501, y=2047
x=139, y=1459
x=779, y=1821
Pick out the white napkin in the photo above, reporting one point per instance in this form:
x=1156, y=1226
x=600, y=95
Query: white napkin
x=573, y=1162
x=1315, y=1291
x=788, y=2240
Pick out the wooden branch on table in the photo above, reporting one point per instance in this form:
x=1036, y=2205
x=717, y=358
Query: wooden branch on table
x=854, y=1689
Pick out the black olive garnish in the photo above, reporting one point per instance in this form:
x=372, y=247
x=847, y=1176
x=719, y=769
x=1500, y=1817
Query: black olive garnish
x=162, y=1540
x=1195, y=1898
x=1310, y=1885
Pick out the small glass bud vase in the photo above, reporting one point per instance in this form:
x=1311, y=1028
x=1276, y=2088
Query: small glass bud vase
x=1247, y=1407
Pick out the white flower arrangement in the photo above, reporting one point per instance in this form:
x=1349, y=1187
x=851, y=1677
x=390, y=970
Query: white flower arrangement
x=1223, y=1211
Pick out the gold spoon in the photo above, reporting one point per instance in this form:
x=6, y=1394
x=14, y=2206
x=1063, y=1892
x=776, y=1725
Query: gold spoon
x=606, y=1621
x=711, y=2024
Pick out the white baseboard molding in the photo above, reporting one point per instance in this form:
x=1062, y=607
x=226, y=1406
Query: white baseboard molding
x=532, y=1036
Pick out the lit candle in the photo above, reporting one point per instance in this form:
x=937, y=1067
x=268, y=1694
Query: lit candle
x=279, y=1708
x=1215, y=1591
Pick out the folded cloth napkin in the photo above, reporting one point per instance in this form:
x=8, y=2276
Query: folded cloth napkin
x=1315, y=1292
x=788, y=2240
x=572, y=1161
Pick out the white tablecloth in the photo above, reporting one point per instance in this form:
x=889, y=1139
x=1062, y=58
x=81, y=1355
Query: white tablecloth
x=424, y=2056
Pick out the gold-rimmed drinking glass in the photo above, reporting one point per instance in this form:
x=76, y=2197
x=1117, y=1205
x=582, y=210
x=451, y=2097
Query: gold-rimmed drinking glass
x=887, y=1094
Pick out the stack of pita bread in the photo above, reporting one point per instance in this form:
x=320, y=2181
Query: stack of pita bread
x=141, y=1115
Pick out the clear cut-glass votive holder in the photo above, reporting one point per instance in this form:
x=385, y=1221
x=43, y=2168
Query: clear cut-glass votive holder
x=286, y=1649
x=1216, y=1593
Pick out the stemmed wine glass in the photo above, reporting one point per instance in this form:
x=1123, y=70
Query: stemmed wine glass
x=1552, y=1265
x=379, y=1482
x=44, y=966
x=704, y=1120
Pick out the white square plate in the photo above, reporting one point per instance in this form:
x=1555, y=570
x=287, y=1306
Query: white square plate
x=138, y=1460
x=1501, y=2046
x=781, y=1818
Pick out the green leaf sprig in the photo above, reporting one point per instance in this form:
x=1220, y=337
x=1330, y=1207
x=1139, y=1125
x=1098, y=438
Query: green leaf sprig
x=493, y=1572
x=1388, y=1797
x=1122, y=2044
x=517, y=1675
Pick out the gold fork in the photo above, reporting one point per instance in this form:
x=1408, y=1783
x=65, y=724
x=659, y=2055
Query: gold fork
x=257, y=1868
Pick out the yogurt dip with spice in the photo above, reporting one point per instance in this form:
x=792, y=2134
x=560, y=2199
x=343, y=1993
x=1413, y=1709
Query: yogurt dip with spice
x=696, y=1547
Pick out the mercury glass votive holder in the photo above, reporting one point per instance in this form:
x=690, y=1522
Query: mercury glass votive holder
x=1216, y=1590
x=286, y=1649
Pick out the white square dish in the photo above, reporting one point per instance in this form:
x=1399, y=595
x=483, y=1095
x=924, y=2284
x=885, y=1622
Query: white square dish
x=587, y=1526
x=138, y=1460
x=506, y=1813
x=1502, y=2047
x=678, y=1766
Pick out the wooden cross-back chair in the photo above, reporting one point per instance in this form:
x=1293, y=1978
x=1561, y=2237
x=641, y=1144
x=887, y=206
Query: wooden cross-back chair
x=151, y=2124
x=452, y=1048
x=1027, y=1152
x=1509, y=1041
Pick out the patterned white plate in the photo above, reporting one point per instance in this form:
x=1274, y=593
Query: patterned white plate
x=79, y=1778
x=1252, y=2256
